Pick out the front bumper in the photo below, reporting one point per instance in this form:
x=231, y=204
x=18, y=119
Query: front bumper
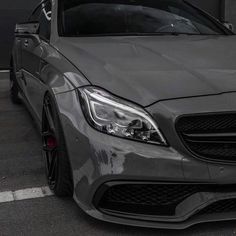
x=168, y=224
x=216, y=204
x=99, y=160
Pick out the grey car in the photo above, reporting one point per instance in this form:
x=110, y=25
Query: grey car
x=136, y=104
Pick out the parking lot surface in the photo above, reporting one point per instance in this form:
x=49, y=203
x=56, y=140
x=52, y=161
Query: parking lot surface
x=22, y=167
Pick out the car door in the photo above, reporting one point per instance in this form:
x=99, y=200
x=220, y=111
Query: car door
x=16, y=62
x=32, y=52
x=21, y=45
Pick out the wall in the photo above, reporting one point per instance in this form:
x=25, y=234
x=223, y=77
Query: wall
x=11, y=11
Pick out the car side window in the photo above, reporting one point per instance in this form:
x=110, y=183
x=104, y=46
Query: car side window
x=45, y=21
x=36, y=14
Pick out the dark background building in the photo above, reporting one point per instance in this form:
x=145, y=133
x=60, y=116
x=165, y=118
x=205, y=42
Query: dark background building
x=18, y=11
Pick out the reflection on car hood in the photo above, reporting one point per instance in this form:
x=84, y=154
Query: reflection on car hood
x=150, y=69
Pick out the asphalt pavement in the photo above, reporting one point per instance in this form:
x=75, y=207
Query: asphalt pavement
x=22, y=167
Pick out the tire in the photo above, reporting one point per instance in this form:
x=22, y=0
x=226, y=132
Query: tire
x=58, y=169
x=14, y=91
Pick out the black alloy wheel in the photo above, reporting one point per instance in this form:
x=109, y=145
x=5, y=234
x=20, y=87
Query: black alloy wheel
x=58, y=169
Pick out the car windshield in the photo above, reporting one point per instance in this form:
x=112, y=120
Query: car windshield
x=133, y=17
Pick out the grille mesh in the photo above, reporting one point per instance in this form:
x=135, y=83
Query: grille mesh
x=152, y=199
x=223, y=206
x=150, y=194
x=211, y=137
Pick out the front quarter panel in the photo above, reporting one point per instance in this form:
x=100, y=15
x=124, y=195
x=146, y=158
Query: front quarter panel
x=58, y=72
x=57, y=75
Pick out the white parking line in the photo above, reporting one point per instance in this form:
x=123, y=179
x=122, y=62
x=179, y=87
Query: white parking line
x=6, y=197
x=23, y=194
x=4, y=71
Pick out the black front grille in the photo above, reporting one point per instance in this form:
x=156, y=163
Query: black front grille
x=222, y=206
x=211, y=137
x=152, y=199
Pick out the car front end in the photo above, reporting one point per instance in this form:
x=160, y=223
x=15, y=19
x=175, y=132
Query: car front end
x=151, y=137
x=186, y=181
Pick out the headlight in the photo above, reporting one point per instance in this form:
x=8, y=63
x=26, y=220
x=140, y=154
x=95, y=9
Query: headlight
x=114, y=116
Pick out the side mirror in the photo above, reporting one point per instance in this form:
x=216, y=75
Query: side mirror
x=27, y=28
x=229, y=26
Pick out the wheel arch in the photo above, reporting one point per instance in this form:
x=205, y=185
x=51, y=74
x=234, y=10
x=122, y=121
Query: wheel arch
x=53, y=97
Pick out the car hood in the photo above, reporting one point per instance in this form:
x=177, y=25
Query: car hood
x=149, y=69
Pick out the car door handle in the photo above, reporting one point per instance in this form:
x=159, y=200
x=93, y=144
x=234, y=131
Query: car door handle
x=26, y=43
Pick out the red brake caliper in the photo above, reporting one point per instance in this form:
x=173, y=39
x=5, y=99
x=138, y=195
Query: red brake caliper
x=51, y=142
